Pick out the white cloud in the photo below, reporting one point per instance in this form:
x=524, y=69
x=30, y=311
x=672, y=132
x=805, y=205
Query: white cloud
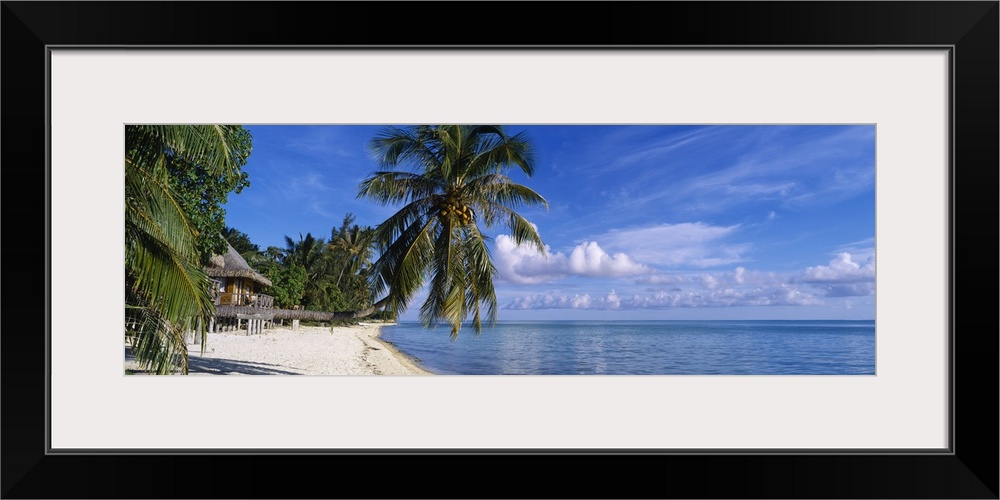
x=612, y=301
x=863, y=248
x=692, y=244
x=526, y=265
x=741, y=277
x=842, y=269
x=708, y=281
x=588, y=259
x=849, y=289
x=773, y=295
x=660, y=279
x=845, y=276
x=738, y=277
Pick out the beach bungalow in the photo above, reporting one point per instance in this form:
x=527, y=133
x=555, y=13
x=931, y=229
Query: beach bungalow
x=236, y=283
x=236, y=288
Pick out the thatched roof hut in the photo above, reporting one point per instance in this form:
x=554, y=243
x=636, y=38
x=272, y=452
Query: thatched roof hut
x=233, y=265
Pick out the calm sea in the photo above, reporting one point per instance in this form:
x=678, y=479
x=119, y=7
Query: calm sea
x=644, y=348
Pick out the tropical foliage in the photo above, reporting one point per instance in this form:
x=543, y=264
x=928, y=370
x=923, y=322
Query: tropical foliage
x=166, y=291
x=351, y=245
x=240, y=242
x=306, y=252
x=288, y=283
x=313, y=273
x=202, y=190
x=457, y=178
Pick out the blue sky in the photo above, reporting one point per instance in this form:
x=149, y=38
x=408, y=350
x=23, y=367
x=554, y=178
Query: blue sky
x=644, y=222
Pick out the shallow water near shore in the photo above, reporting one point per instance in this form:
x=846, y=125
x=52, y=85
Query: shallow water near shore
x=644, y=348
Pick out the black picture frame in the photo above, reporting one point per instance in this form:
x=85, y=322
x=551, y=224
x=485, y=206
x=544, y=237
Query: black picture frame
x=970, y=29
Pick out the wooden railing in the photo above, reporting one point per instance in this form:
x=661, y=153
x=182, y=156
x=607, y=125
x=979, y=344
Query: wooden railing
x=246, y=299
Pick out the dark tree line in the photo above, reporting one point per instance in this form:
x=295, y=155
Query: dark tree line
x=330, y=275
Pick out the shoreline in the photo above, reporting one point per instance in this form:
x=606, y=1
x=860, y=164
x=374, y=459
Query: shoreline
x=403, y=358
x=406, y=360
x=308, y=350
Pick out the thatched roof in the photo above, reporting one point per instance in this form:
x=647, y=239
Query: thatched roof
x=233, y=265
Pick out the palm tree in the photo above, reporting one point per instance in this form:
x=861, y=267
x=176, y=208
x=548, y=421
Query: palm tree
x=306, y=252
x=166, y=292
x=352, y=245
x=458, y=179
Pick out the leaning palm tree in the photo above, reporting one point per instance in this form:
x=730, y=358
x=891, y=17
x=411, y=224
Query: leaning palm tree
x=166, y=292
x=457, y=179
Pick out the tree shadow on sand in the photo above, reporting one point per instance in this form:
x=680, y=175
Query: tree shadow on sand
x=198, y=365
x=220, y=366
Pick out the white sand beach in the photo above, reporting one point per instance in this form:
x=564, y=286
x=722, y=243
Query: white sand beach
x=308, y=350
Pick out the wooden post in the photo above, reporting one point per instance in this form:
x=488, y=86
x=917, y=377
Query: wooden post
x=295, y=324
x=255, y=322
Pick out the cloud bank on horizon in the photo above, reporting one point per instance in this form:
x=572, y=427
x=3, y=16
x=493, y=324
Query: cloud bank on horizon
x=650, y=222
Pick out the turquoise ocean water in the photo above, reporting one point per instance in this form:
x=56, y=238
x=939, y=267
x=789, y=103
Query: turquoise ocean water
x=644, y=348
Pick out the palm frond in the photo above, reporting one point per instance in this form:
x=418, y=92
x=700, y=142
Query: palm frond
x=480, y=269
x=395, y=146
x=209, y=145
x=397, y=187
x=155, y=209
x=159, y=250
x=448, y=279
x=521, y=230
x=401, y=267
x=500, y=189
x=414, y=213
x=497, y=152
x=158, y=345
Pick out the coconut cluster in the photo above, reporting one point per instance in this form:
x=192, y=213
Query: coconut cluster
x=451, y=207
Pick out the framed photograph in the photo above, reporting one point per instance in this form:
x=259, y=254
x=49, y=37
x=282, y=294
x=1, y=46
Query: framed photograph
x=908, y=88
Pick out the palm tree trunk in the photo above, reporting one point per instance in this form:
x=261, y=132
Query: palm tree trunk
x=283, y=314
x=361, y=313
